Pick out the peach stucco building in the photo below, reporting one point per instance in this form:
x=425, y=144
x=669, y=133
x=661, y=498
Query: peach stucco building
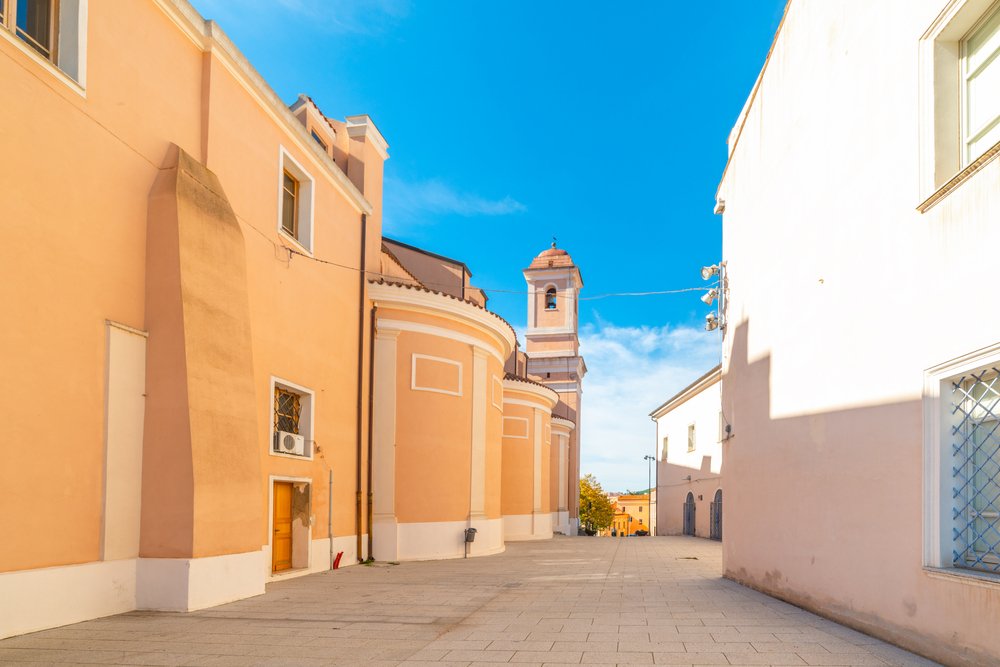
x=227, y=374
x=861, y=217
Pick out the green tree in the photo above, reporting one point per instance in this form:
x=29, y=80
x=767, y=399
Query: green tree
x=596, y=512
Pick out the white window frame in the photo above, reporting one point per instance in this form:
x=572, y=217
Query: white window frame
x=967, y=137
x=938, y=539
x=943, y=164
x=70, y=64
x=307, y=418
x=305, y=200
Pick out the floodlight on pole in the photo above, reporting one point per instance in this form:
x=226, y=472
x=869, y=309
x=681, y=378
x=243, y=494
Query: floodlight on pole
x=649, y=489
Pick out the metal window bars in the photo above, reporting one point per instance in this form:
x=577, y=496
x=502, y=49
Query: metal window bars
x=976, y=470
x=287, y=409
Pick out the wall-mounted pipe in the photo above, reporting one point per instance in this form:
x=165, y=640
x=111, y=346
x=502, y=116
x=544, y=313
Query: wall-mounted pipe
x=371, y=411
x=361, y=388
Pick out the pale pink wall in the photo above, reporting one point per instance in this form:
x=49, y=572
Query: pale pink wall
x=823, y=377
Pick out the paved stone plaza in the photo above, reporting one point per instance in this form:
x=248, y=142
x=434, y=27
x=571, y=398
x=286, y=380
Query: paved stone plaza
x=607, y=601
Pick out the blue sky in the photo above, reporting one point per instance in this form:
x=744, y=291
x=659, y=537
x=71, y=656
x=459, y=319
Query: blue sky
x=509, y=123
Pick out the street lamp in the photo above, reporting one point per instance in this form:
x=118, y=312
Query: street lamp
x=649, y=488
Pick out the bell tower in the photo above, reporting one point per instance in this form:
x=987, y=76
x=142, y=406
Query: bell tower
x=553, y=358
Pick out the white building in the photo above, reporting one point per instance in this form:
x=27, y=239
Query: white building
x=690, y=429
x=861, y=225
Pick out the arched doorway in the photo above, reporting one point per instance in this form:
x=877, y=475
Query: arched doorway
x=715, y=531
x=689, y=508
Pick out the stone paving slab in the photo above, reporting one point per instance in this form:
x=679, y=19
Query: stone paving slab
x=568, y=601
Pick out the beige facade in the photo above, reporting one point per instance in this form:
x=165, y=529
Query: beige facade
x=860, y=351
x=527, y=459
x=226, y=372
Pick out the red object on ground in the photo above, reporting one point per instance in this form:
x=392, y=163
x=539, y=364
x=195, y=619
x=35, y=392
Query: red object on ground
x=336, y=561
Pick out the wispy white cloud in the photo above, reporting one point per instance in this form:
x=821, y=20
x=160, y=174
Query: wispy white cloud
x=410, y=203
x=365, y=17
x=632, y=370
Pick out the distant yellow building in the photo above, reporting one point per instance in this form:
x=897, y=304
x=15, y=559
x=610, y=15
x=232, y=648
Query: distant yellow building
x=631, y=516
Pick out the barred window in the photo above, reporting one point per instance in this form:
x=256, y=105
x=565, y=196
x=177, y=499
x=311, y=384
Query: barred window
x=975, y=470
x=287, y=410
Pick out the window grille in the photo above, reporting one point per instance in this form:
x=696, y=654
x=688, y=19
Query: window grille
x=976, y=470
x=287, y=408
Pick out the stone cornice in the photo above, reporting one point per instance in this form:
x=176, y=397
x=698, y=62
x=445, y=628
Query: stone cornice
x=422, y=300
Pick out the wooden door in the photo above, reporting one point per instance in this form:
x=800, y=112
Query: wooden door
x=281, y=538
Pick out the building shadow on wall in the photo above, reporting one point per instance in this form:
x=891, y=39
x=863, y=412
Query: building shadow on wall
x=824, y=509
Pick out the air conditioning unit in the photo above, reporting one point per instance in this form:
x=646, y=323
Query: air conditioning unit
x=289, y=443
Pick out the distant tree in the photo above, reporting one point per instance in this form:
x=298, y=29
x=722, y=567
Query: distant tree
x=596, y=512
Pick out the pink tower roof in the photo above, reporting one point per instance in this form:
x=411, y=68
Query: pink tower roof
x=552, y=257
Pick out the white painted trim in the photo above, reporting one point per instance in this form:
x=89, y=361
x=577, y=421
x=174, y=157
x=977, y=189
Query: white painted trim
x=542, y=332
x=561, y=523
x=124, y=411
x=563, y=499
x=529, y=404
x=965, y=577
x=703, y=383
x=309, y=417
x=440, y=332
x=431, y=303
x=362, y=127
x=527, y=527
x=78, y=87
x=413, y=374
x=547, y=396
x=306, y=203
x=497, y=393
x=551, y=354
x=32, y=600
x=938, y=543
x=536, y=463
x=384, y=446
x=559, y=422
x=440, y=540
x=527, y=428
x=477, y=464
x=319, y=561
x=127, y=328
x=188, y=584
x=940, y=96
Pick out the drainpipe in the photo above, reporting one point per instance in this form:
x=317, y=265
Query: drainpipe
x=329, y=515
x=371, y=411
x=362, y=276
